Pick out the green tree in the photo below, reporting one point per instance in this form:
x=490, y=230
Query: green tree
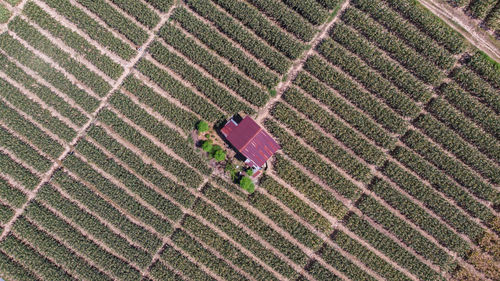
x=249, y=172
x=207, y=146
x=247, y=184
x=202, y=126
x=220, y=155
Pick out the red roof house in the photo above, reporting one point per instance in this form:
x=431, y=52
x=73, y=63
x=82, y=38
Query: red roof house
x=250, y=140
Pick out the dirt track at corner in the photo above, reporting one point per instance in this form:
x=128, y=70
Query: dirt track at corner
x=469, y=30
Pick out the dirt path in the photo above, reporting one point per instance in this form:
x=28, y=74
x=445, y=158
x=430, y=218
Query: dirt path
x=465, y=26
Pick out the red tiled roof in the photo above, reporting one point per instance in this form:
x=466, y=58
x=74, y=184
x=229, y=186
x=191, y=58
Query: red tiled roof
x=251, y=140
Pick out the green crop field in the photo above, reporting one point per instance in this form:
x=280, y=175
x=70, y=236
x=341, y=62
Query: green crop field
x=388, y=121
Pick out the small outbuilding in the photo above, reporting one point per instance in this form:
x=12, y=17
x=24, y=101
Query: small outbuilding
x=252, y=141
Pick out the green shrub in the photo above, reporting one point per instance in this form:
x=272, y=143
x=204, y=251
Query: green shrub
x=247, y=184
x=207, y=146
x=219, y=155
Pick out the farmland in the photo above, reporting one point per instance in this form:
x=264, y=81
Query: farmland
x=388, y=121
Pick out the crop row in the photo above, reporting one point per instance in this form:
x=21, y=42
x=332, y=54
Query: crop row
x=348, y=136
x=166, y=135
x=41, y=115
x=11, y=195
x=418, y=215
x=393, y=46
x=373, y=57
x=48, y=195
x=286, y=221
x=13, y=270
x=286, y=18
x=176, y=260
x=369, y=258
x=147, y=171
x=162, y=5
x=430, y=24
x=493, y=19
x=73, y=40
x=116, y=20
x=18, y=172
x=64, y=59
x=158, y=271
x=319, y=142
x=204, y=84
x=104, y=209
x=253, y=222
x=340, y=82
x=204, y=256
x=311, y=160
x=477, y=86
x=57, y=252
x=180, y=117
x=371, y=80
x=31, y=260
x=344, y=265
x=140, y=11
x=6, y=213
x=401, y=229
x=485, y=67
x=319, y=272
x=78, y=242
x=313, y=191
x=390, y=248
x=458, y=171
x=295, y=204
x=176, y=167
x=480, y=8
x=235, y=31
x=226, y=249
x=130, y=181
x=440, y=182
x=194, y=102
x=16, y=50
x=199, y=55
x=244, y=239
x=469, y=106
x=25, y=128
x=255, y=21
x=224, y=48
x=462, y=150
x=24, y=151
x=93, y=29
x=310, y=10
x=464, y=127
x=116, y=194
x=43, y=92
x=406, y=31
x=343, y=109
x=307, y=237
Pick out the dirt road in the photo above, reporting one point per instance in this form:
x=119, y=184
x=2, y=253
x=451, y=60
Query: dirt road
x=464, y=25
